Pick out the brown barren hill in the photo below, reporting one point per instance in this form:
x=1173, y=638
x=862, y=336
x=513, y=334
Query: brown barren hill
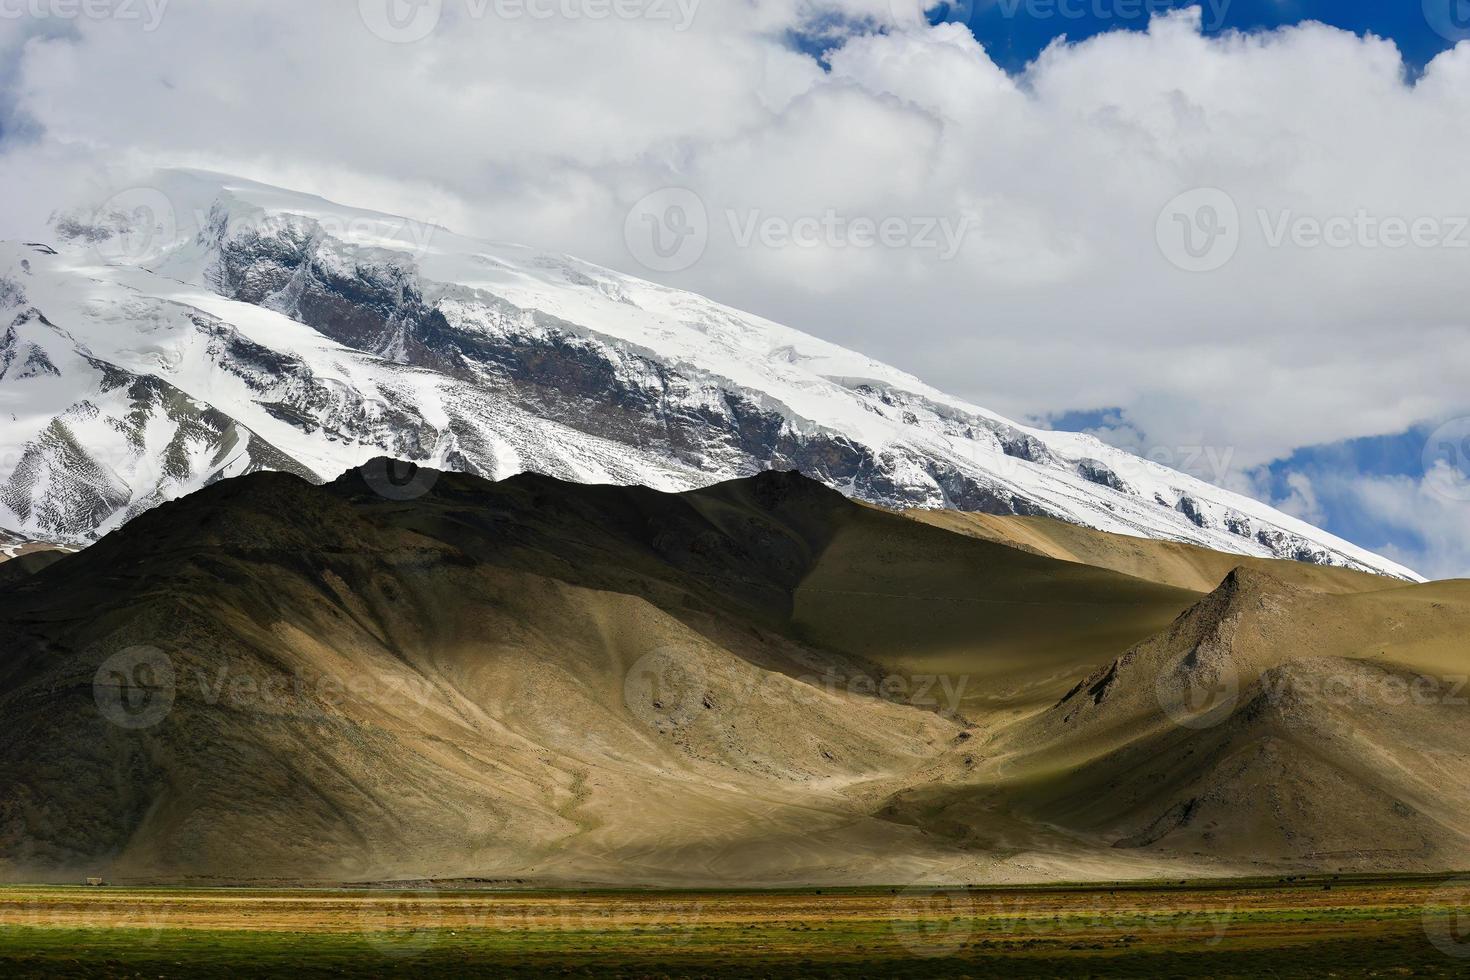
x=1175, y=563
x=759, y=683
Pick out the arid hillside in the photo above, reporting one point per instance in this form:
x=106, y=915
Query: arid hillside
x=411, y=675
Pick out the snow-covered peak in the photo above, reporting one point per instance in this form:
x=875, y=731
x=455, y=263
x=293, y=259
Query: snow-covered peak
x=324, y=335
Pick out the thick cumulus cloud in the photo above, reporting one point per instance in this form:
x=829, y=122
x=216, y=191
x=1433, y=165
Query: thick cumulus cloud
x=1025, y=270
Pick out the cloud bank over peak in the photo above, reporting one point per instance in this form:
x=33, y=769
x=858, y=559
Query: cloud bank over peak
x=1247, y=241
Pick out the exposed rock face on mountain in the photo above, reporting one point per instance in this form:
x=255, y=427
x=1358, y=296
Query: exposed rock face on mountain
x=207, y=327
x=411, y=674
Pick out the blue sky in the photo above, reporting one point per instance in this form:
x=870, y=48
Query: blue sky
x=1015, y=31
x=1374, y=491
x=1341, y=486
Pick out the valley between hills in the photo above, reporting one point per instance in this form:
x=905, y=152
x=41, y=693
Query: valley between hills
x=758, y=684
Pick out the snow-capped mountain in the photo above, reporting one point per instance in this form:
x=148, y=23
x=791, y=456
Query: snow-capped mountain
x=206, y=326
x=11, y=544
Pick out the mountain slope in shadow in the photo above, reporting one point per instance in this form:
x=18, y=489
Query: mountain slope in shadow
x=408, y=674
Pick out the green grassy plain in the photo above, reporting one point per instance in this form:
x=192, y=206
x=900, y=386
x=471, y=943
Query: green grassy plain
x=1384, y=927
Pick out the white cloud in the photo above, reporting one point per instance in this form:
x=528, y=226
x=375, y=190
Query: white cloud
x=1301, y=499
x=546, y=131
x=1437, y=525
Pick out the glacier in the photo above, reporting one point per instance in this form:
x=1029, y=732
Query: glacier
x=202, y=326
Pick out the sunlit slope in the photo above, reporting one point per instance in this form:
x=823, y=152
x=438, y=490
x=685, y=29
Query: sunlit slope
x=757, y=683
x=1270, y=725
x=1173, y=563
x=803, y=561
